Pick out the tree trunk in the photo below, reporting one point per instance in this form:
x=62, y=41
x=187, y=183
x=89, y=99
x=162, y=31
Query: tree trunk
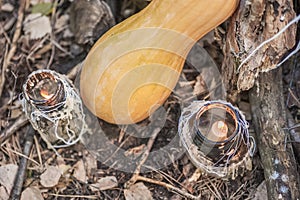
x=254, y=22
x=268, y=111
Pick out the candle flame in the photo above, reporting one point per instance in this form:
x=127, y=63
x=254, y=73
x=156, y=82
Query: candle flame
x=222, y=126
x=45, y=94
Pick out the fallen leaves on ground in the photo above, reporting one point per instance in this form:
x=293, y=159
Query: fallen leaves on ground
x=36, y=26
x=138, y=191
x=31, y=193
x=105, y=183
x=51, y=176
x=79, y=171
x=7, y=176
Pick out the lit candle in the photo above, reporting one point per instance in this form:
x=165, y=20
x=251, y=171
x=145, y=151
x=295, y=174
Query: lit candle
x=218, y=131
x=215, y=135
x=45, y=94
x=54, y=108
x=44, y=89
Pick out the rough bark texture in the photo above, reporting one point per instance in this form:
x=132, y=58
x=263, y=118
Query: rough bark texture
x=268, y=110
x=254, y=22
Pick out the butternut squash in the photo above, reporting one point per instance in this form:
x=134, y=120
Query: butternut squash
x=132, y=68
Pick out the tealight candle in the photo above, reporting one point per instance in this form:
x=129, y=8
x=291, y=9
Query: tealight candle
x=44, y=89
x=218, y=131
x=45, y=94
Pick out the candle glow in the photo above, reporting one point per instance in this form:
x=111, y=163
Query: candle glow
x=45, y=94
x=222, y=128
x=218, y=131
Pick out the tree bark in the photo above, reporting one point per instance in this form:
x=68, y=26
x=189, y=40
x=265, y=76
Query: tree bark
x=268, y=111
x=254, y=22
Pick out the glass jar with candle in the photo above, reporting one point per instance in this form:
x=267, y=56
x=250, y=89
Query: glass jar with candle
x=215, y=135
x=54, y=108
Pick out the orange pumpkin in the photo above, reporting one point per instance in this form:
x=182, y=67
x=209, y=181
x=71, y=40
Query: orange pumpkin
x=132, y=69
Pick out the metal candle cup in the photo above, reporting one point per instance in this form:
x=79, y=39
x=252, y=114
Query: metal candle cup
x=215, y=135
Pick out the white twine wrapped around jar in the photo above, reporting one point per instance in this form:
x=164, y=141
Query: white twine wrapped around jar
x=59, y=118
x=225, y=162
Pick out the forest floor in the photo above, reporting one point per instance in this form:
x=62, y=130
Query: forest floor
x=76, y=174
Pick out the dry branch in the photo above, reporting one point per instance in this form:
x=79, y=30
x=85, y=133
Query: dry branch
x=168, y=186
x=143, y=158
x=16, y=125
x=280, y=168
x=20, y=177
x=13, y=46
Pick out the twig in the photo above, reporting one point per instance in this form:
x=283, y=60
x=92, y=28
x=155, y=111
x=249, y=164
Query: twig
x=22, y=155
x=168, y=186
x=188, y=183
x=74, y=196
x=38, y=151
x=166, y=176
x=116, y=151
x=291, y=93
x=20, y=122
x=52, y=35
x=214, y=189
x=143, y=159
x=13, y=47
x=56, y=44
x=295, y=135
x=19, y=181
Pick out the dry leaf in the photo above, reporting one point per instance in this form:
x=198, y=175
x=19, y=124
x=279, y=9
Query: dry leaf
x=43, y=8
x=31, y=193
x=7, y=7
x=89, y=20
x=3, y=193
x=62, y=165
x=36, y=26
x=138, y=191
x=15, y=113
x=51, y=176
x=79, y=171
x=91, y=164
x=105, y=183
x=7, y=175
